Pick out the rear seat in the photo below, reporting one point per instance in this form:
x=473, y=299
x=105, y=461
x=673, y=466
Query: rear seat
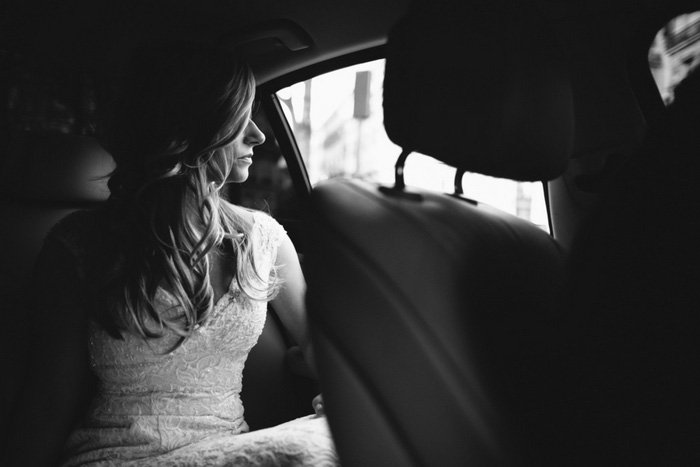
x=47, y=175
x=44, y=176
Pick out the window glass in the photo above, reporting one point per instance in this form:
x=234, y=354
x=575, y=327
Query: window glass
x=675, y=52
x=337, y=119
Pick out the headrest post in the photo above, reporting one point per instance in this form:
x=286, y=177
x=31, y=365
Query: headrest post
x=459, y=190
x=399, y=183
x=399, y=188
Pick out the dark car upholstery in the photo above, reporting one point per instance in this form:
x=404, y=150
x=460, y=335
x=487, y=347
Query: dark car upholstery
x=46, y=175
x=634, y=268
x=432, y=314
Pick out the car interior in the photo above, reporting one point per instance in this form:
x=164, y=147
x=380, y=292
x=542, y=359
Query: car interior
x=494, y=203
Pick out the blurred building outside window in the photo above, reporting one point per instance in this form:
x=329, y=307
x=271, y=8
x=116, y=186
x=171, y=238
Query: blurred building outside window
x=674, y=52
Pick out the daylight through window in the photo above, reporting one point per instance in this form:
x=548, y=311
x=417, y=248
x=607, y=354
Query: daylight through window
x=338, y=123
x=675, y=52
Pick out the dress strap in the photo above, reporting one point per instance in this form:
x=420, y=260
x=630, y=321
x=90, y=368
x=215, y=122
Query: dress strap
x=269, y=235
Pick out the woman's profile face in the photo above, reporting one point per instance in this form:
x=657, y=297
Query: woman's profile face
x=240, y=151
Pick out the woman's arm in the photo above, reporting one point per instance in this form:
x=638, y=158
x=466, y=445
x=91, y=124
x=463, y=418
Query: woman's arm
x=290, y=301
x=58, y=375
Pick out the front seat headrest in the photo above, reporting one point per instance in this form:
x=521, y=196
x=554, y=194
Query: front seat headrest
x=481, y=86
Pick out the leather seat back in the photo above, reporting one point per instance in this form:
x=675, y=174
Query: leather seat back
x=422, y=311
x=45, y=176
x=431, y=313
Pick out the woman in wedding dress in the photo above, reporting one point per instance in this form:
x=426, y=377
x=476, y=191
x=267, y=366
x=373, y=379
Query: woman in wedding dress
x=162, y=293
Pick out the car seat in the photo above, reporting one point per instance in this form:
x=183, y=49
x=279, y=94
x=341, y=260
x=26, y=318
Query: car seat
x=433, y=316
x=634, y=269
x=45, y=176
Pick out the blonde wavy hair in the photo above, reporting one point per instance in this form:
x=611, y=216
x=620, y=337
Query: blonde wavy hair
x=180, y=108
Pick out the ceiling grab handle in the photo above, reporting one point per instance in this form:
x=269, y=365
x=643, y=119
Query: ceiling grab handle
x=289, y=33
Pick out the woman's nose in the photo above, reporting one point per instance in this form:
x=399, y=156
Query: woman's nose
x=253, y=135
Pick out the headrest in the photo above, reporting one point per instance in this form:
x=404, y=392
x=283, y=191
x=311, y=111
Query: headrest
x=51, y=166
x=483, y=88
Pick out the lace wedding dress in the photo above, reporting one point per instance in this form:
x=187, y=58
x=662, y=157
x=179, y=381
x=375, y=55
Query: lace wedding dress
x=183, y=408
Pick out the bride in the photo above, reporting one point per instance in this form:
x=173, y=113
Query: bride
x=162, y=293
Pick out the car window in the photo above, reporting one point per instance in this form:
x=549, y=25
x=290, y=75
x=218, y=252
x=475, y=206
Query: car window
x=337, y=119
x=675, y=52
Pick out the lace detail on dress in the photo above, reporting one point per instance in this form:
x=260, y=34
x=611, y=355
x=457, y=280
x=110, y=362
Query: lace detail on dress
x=184, y=408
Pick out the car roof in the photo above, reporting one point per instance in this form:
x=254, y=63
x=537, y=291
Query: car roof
x=82, y=33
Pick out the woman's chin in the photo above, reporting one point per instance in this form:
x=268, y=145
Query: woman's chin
x=238, y=176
